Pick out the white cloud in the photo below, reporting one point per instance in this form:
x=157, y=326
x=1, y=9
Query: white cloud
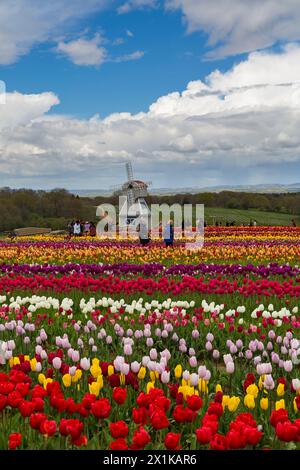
x=236, y=127
x=118, y=42
x=129, y=33
x=128, y=57
x=237, y=26
x=135, y=5
x=26, y=23
x=22, y=109
x=84, y=51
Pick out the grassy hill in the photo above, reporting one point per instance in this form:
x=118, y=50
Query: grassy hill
x=213, y=214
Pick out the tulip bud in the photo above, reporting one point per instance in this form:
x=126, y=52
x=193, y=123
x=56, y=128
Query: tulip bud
x=230, y=367
x=57, y=363
x=85, y=363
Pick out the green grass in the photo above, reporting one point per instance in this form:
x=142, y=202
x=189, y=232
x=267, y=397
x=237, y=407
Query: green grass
x=213, y=214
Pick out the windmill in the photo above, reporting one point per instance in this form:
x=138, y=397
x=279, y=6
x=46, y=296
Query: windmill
x=135, y=191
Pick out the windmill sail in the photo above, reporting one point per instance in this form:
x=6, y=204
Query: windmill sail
x=129, y=171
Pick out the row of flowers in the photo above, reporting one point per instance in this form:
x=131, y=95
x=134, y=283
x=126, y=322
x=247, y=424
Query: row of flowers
x=238, y=250
x=187, y=284
x=154, y=269
x=136, y=422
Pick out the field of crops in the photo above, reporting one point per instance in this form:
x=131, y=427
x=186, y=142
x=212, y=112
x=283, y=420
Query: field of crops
x=108, y=345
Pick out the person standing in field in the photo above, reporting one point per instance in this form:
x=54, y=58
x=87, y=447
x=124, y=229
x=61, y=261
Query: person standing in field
x=93, y=230
x=77, y=228
x=169, y=233
x=87, y=227
x=143, y=232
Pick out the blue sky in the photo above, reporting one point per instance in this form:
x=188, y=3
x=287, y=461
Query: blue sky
x=172, y=59
x=193, y=92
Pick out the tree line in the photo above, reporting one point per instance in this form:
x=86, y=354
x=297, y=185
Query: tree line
x=55, y=209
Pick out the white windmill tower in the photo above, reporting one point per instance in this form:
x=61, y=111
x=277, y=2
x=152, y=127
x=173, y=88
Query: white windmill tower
x=135, y=191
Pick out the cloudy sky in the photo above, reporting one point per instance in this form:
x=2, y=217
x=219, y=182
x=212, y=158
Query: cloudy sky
x=193, y=92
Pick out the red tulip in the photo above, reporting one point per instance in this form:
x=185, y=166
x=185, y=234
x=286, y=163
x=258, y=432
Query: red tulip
x=118, y=444
x=140, y=415
x=141, y=438
x=159, y=419
x=172, y=441
x=218, y=442
x=101, y=408
x=118, y=429
x=48, y=427
x=204, y=435
x=286, y=431
x=26, y=408
x=36, y=420
x=119, y=395
x=194, y=402
x=14, y=440
x=279, y=416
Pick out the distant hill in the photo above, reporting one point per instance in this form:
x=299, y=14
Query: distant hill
x=257, y=188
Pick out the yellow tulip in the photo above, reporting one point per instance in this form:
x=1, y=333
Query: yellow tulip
x=67, y=380
x=261, y=382
x=218, y=388
x=152, y=376
x=122, y=379
x=280, y=390
x=178, y=371
x=95, y=370
x=264, y=403
x=41, y=379
x=249, y=401
x=77, y=376
x=225, y=401
x=142, y=373
x=295, y=406
x=150, y=385
x=16, y=361
x=11, y=362
x=33, y=364
x=186, y=391
x=95, y=361
x=280, y=404
x=233, y=404
x=46, y=382
x=202, y=385
x=252, y=390
x=26, y=358
x=94, y=388
x=100, y=381
x=110, y=370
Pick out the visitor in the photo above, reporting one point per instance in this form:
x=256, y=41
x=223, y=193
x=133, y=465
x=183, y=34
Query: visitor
x=77, y=228
x=143, y=232
x=71, y=228
x=86, y=228
x=93, y=230
x=169, y=234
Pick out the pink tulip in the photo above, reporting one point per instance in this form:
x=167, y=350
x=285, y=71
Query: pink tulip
x=57, y=363
x=230, y=367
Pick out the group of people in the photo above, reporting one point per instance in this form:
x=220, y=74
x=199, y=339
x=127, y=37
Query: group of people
x=79, y=228
x=168, y=233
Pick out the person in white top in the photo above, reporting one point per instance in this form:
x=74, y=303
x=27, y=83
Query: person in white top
x=77, y=228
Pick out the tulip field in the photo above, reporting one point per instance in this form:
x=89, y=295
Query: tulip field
x=107, y=345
